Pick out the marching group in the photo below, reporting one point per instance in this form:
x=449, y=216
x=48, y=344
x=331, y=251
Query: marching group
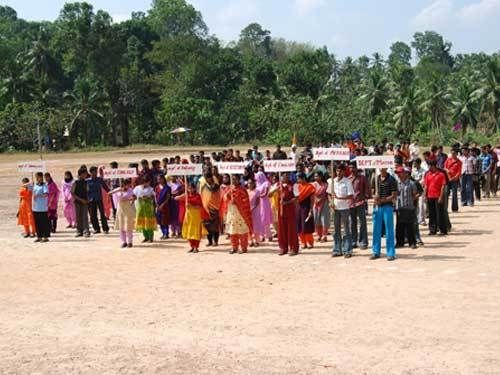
x=296, y=208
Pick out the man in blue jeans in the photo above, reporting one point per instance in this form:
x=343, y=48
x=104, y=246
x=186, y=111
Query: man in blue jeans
x=467, y=179
x=383, y=212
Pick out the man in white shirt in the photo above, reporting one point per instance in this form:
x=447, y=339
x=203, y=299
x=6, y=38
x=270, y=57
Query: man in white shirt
x=414, y=150
x=343, y=194
x=293, y=154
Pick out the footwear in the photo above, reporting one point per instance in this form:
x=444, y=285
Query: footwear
x=106, y=232
x=145, y=240
x=150, y=241
x=347, y=256
x=414, y=246
x=432, y=233
x=390, y=259
x=335, y=255
x=195, y=251
x=281, y=253
x=38, y=240
x=215, y=244
x=233, y=251
x=354, y=246
x=69, y=226
x=130, y=245
x=87, y=235
x=26, y=235
x=252, y=244
x=124, y=245
x=242, y=251
x=374, y=257
x=420, y=243
x=209, y=244
x=294, y=253
x=79, y=235
x=190, y=251
x=96, y=232
x=45, y=239
x=363, y=247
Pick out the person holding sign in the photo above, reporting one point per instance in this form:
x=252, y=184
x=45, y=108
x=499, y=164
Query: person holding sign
x=386, y=193
x=40, y=209
x=125, y=212
x=192, y=225
x=239, y=216
x=25, y=214
x=343, y=194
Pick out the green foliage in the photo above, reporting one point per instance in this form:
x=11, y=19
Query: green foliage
x=112, y=84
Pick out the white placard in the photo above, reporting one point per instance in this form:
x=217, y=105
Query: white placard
x=331, y=153
x=31, y=166
x=274, y=166
x=184, y=169
x=120, y=173
x=375, y=162
x=231, y=167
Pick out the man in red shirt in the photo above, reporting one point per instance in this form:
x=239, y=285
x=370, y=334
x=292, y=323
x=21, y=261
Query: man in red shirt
x=434, y=188
x=453, y=167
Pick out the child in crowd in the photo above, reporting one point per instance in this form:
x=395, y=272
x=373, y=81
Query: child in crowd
x=192, y=226
x=125, y=212
x=68, y=204
x=79, y=191
x=53, y=201
x=25, y=215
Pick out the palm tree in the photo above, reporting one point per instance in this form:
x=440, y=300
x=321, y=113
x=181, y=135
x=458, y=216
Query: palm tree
x=435, y=101
x=489, y=92
x=406, y=114
x=465, y=109
x=85, y=98
x=377, y=92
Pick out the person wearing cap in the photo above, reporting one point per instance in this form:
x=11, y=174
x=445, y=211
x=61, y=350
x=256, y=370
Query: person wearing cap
x=435, y=190
x=343, y=194
x=405, y=214
x=386, y=192
x=294, y=155
x=361, y=195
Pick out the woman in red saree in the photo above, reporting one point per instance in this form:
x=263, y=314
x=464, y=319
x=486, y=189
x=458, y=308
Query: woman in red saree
x=239, y=216
x=288, y=240
x=305, y=219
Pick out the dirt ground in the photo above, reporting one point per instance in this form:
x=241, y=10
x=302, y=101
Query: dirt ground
x=85, y=306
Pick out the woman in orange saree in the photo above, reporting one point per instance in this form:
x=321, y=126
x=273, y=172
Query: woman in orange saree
x=305, y=218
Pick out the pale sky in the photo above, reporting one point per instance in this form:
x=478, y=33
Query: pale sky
x=346, y=27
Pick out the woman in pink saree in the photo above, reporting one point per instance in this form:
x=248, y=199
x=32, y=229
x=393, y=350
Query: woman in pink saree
x=265, y=210
x=68, y=204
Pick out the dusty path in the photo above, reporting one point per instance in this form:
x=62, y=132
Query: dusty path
x=85, y=306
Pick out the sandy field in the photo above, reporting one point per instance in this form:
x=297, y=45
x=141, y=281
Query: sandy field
x=84, y=306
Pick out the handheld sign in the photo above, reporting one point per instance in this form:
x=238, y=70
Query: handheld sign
x=331, y=153
x=375, y=162
x=184, y=169
x=119, y=173
x=231, y=167
x=273, y=166
x=31, y=166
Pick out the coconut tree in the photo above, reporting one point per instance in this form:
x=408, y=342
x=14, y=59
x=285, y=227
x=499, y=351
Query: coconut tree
x=377, y=92
x=85, y=99
x=465, y=107
x=406, y=114
x=436, y=101
x=489, y=92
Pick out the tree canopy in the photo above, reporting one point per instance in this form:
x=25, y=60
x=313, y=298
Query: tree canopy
x=88, y=80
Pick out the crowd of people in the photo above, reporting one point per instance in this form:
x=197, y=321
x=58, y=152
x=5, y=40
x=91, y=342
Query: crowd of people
x=293, y=209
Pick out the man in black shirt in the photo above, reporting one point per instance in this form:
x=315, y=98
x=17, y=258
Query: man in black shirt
x=386, y=192
x=279, y=154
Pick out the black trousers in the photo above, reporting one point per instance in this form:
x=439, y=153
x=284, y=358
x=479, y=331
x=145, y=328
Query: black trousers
x=437, y=217
x=42, y=224
x=95, y=206
x=213, y=237
x=405, y=227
